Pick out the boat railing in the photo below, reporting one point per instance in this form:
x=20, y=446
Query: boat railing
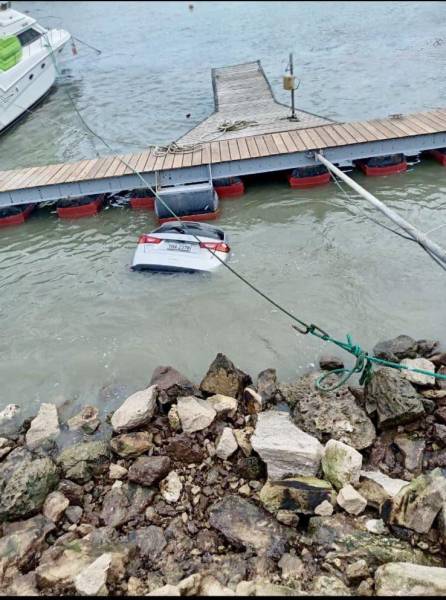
x=53, y=37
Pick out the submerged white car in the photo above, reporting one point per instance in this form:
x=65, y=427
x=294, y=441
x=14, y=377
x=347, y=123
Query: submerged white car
x=182, y=246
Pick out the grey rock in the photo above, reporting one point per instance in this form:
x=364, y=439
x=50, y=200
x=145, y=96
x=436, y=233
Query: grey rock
x=87, y=420
x=246, y=525
x=341, y=536
x=330, y=415
x=395, y=399
x=74, y=514
x=267, y=385
x=418, y=378
x=286, y=449
x=150, y=541
x=297, y=494
x=223, y=377
x=171, y=384
x=377, y=487
x=54, y=506
x=328, y=585
x=20, y=546
x=417, y=505
x=136, y=411
x=44, y=428
x=149, y=470
x=73, y=491
x=10, y=420
x=397, y=348
x=195, y=414
x=412, y=450
x=81, y=461
x=407, y=579
x=341, y=463
x=27, y=487
x=130, y=445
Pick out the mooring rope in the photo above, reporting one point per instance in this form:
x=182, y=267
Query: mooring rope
x=364, y=362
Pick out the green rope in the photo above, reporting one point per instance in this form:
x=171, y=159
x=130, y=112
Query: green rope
x=363, y=364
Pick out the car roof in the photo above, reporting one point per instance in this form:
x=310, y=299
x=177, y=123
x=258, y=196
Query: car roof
x=189, y=227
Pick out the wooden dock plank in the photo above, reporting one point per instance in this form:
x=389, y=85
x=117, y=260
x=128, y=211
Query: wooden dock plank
x=298, y=141
x=339, y=137
x=142, y=161
x=243, y=148
x=187, y=159
x=100, y=174
x=373, y=131
x=322, y=138
x=310, y=145
x=359, y=137
x=215, y=152
x=233, y=149
x=344, y=133
x=415, y=125
x=261, y=145
x=362, y=132
x=288, y=141
x=399, y=123
x=439, y=116
x=393, y=131
x=252, y=147
x=224, y=151
x=280, y=144
x=151, y=160
x=429, y=120
x=62, y=175
x=424, y=127
x=113, y=167
x=206, y=154
x=168, y=163
x=16, y=179
x=41, y=178
x=271, y=144
x=197, y=156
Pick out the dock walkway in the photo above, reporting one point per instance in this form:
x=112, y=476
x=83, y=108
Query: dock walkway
x=285, y=146
x=243, y=93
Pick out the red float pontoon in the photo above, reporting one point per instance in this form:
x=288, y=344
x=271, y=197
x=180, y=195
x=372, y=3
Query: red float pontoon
x=15, y=215
x=76, y=208
x=304, y=177
x=383, y=165
x=229, y=187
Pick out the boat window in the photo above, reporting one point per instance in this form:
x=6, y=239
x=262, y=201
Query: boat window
x=28, y=36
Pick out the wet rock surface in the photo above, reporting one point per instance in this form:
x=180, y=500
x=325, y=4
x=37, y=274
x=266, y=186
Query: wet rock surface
x=216, y=489
x=330, y=415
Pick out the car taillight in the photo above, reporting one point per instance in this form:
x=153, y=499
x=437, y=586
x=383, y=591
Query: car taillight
x=216, y=246
x=148, y=239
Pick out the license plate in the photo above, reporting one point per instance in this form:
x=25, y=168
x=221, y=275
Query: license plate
x=179, y=247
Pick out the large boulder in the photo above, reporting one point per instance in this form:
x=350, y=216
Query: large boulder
x=171, y=384
x=395, y=399
x=286, y=449
x=407, y=579
x=106, y=569
x=223, y=377
x=329, y=415
x=351, y=500
x=341, y=463
x=44, y=428
x=136, y=411
x=397, y=348
x=244, y=524
x=417, y=505
x=81, y=461
x=28, y=484
x=195, y=414
x=298, y=494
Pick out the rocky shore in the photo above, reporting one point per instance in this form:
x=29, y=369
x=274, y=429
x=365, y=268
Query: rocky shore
x=234, y=486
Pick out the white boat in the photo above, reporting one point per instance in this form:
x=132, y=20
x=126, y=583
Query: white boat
x=28, y=53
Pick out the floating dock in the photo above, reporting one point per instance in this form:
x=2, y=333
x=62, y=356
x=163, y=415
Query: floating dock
x=271, y=143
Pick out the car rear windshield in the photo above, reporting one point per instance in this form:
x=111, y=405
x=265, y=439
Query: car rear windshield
x=191, y=229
